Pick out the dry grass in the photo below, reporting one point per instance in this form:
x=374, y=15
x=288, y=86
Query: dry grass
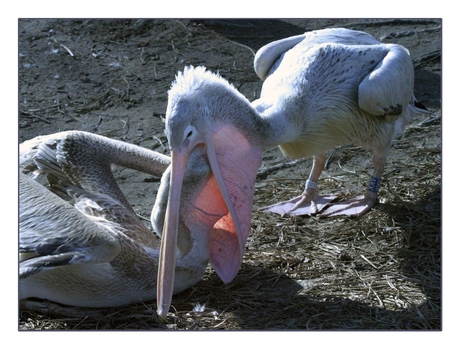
x=378, y=272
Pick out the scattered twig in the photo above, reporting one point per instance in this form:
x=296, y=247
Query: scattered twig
x=247, y=47
x=65, y=47
x=44, y=108
x=159, y=141
x=344, y=169
x=264, y=172
x=430, y=121
x=368, y=261
x=392, y=22
x=185, y=27
x=408, y=33
x=31, y=116
x=426, y=58
x=96, y=126
x=174, y=47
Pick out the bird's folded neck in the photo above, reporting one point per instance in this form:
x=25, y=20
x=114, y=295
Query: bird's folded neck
x=274, y=127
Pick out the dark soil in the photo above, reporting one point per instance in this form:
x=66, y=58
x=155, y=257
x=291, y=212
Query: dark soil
x=380, y=271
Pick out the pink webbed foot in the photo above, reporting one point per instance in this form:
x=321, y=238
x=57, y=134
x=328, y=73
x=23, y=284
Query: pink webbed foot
x=357, y=206
x=300, y=205
x=354, y=207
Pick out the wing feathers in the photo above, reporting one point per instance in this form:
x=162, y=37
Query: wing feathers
x=387, y=88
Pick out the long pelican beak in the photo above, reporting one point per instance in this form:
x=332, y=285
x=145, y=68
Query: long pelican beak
x=167, y=261
x=234, y=162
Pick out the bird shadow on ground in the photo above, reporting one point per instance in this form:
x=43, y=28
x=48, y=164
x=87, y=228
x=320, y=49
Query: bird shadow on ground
x=261, y=299
x=253, y=33
x=427, y=84
x=421, y=252
x=254, y=305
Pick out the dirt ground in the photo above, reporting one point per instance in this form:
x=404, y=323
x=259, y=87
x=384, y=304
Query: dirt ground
x=380, y=271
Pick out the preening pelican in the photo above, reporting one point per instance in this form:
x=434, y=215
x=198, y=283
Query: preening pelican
x=81, y=243
x=323, y=89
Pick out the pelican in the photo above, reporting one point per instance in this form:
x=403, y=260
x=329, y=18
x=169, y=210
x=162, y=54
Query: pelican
x=81, y=243
x=322, y=89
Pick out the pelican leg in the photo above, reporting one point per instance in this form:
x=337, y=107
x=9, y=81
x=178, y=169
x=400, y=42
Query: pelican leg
x=309, y=203
x=360, y=205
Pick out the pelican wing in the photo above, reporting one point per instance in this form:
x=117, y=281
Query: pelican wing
x=267, y=55
x=54, y=233
x=388, y=87
x=85, y=160
x=77, y=168
x=267, y=58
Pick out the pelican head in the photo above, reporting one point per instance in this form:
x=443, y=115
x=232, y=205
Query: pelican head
x=194, y=122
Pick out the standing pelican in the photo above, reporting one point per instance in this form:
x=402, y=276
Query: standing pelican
x=81, y=243
x=322, y=89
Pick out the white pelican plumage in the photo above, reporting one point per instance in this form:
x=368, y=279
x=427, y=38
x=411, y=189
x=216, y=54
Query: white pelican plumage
x=81, y=243
x=323, y=89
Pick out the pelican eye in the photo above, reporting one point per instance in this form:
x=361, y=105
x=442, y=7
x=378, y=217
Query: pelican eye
x=188, y=132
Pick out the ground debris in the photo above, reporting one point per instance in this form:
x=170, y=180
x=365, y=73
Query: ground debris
x=378, y=272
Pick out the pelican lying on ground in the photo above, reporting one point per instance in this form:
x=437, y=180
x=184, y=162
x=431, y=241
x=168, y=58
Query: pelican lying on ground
x=81, y=243
x=322, y=89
